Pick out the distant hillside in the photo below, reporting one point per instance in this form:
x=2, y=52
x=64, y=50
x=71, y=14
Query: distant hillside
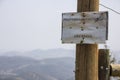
x=116, y=56
x=56, y=64
x=23, y=68
x=42, y=54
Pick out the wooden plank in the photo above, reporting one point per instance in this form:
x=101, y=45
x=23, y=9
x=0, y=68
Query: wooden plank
x=115, y=70
x=104, y=64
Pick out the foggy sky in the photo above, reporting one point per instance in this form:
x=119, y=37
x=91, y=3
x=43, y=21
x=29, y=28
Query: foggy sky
x=36, y=24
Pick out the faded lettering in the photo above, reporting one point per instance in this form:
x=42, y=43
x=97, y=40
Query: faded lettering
x=83, y=36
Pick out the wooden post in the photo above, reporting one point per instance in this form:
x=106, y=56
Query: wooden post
x=115, y=70
x=87, y=54
x=104, y=64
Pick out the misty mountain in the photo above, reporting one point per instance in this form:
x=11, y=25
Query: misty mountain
x=42, y=54
x=116, y=56
x=25, y=68
x=55, y=64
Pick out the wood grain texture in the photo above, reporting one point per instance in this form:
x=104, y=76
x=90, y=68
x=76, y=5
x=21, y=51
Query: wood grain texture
x=87, y=62
x=87, y=54
x=104, y=64
x=87, y=5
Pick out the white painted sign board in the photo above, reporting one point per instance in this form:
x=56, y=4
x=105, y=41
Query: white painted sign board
x=85, y=27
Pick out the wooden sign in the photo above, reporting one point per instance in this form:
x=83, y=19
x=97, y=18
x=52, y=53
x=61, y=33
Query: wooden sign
x=85, y=27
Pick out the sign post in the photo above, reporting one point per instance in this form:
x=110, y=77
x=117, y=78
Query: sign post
x=104, y=64
x=87, y=54
x=86, y=28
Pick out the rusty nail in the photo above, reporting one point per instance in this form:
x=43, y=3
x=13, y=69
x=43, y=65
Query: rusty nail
x=72, y=14
x=70, y=27
x=84, y=22
x=82, y=29
x=81, y=41
x=83, y=38
x=71, y=42
x=97, y=27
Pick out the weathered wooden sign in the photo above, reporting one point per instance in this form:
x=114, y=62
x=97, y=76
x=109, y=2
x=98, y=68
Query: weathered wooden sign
x=85, y=27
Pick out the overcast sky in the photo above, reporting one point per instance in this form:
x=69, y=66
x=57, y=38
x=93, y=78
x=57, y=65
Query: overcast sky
x=36, y=24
